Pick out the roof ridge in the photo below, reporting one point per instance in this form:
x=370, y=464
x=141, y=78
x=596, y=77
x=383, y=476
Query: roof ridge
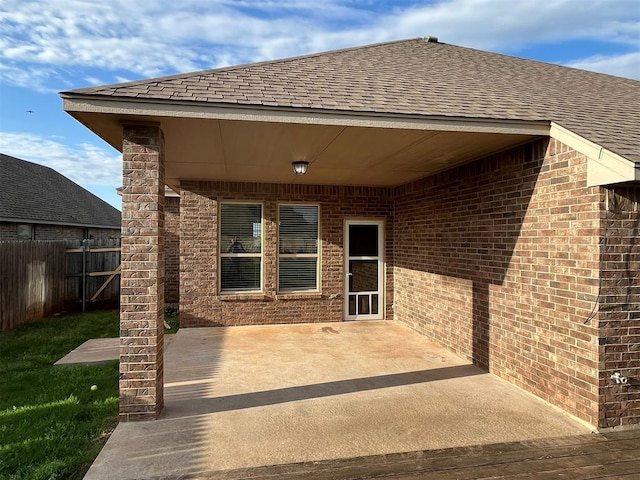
x=235, y=67
x=542, y=62
x=27, y=161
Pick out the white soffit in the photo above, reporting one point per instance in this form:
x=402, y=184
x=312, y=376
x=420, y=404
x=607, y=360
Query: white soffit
x=603, y=166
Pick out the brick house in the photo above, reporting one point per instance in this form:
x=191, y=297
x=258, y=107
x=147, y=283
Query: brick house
x=38, y=203
x=486, y=201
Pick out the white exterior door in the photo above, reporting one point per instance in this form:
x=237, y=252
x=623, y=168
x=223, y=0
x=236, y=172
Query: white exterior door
x=364, y=270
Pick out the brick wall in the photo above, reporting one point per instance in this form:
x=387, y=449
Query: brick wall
x=59, y=232
x=7, y=231
x=498, y=260
x=172, y=250
x=200, y=302
x=619, y=309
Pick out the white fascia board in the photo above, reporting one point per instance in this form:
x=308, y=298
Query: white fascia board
x=603, y=166
x=157, y=108
x=170, y=192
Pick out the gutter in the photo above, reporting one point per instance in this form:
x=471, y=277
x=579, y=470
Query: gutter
x=63, y=224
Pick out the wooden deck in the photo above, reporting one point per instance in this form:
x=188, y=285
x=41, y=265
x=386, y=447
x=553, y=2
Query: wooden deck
x=596, y=456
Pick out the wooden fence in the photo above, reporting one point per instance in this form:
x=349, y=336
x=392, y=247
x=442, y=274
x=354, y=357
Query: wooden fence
x=40, y=278
x=88, y=268
x=32, y=281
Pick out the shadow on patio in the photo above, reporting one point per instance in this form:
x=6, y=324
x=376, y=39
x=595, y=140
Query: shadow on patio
x=199, y=403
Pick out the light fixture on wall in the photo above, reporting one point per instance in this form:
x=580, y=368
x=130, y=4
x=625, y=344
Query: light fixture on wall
x=300, y=167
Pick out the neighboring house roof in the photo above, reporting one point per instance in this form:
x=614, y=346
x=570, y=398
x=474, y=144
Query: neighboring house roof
x=38, y=194
x=418, y=77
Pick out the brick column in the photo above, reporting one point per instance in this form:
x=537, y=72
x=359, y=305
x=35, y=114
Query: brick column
x=142, y=287
x=619, y=308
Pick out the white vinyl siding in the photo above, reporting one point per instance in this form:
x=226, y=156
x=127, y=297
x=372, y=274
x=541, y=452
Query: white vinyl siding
x=240, y=247
x=298, y=248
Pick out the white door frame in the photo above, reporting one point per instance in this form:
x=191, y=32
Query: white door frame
x=381, y=269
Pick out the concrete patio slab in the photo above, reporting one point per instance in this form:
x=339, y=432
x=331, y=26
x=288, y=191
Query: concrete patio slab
x=98, y=350
x=243, y=397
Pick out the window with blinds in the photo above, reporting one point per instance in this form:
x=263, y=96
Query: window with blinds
x=240, y=247
x=298, y=248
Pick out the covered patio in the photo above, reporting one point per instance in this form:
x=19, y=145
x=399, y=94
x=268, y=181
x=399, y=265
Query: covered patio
x=495, y=213
x=252, y=396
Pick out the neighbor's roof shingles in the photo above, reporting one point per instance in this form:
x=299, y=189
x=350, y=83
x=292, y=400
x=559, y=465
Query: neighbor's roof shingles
x=417, y=77
x=39, y=194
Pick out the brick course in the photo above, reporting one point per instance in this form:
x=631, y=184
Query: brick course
x=142, y=284
x=200, y=301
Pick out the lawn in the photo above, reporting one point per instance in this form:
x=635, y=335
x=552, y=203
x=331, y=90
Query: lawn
x=52, y=424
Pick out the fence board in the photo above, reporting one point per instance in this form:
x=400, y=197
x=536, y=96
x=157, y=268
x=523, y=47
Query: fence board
x=32, y=281
x=37, y=277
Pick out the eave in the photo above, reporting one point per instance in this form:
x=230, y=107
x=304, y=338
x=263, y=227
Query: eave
x=604, y=167
x=257, y=143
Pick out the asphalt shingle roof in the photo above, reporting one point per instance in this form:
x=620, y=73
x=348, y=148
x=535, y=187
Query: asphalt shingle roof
x=34, y=192
x=417, y=77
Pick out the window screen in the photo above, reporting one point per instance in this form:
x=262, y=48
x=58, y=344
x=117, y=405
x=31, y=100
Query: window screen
x=298, y=248
x=240, y=247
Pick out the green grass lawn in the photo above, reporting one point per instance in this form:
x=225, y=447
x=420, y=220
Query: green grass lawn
x=52, y=425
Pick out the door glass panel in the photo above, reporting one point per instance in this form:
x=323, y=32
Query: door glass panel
x=374, y=304
x=363, y=304
x=352, y=305
x=363, y=240
x=364, y=275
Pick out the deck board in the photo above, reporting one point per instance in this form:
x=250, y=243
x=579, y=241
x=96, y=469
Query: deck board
x=587, y=457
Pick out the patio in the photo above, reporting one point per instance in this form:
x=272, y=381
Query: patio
x=255, y=396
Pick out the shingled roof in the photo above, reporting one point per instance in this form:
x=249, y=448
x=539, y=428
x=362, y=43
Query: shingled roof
x=39, y=194
x=418, y=77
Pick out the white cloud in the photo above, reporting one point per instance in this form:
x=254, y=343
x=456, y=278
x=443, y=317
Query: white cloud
x=84, y=163
x=93, y=80
x=149, y=38
x=33, y=77
x=627, y=65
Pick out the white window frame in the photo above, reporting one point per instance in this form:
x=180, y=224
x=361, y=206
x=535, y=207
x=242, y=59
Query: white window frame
x=223, y=254
x=316, y=255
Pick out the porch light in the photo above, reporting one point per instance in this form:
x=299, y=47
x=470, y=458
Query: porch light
x=300, y=167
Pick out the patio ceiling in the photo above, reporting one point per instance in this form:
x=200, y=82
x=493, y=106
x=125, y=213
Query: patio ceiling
x=258, y=146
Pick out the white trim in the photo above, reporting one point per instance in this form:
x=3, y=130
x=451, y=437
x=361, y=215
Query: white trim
x=251, y=113
x=603, y=166
x=170, y=192
x=381, y=269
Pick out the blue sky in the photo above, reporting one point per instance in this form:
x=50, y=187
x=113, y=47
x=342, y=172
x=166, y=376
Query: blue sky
x=48, y=46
